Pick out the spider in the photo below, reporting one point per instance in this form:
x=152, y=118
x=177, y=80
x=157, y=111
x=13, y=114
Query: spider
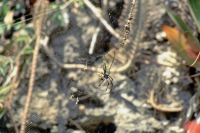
x=105, y=75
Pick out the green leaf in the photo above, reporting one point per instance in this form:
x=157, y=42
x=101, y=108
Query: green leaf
x=183, y=27
x=2, y=112
x=7, y=47
x=3, y=67
x=28, y=50
x=2, y=98
x=1, y=28
x=19, y=6
x=194, y=6
x=2, y=71
x=54, y=6
x=17, y=40
x=17, y=26
x=5, y=63
x=5, y=90
x=3, y=10
x=80, y=2
x=30, y=31
x=8, y=27
x=22, y=38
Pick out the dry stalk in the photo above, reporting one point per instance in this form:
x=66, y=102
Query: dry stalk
x=15, y=83
x=196, y=59
x=9, y=106
x=40, y=5
x=128, y=25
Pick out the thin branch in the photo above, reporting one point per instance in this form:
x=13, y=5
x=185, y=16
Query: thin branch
x=161, y=107
x=102, y=20
x=195, y=75
x=105, y=9
x=84, y=97
x=12, y=120
x=94, y=39
x=190, y=76
x=76, y=124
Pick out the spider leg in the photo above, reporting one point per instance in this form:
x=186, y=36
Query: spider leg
x=101, y=82
x=107, y=84
x=112, y=61
x=110, y=78
x=100, y=74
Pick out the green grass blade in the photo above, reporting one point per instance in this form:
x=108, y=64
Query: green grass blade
x=194, y=6
x=181, y=25
x=5, y=90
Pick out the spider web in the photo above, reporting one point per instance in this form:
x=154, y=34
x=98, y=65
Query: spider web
x=64, y=98
x=54, y=86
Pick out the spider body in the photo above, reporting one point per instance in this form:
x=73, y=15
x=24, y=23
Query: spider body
x=105, y=75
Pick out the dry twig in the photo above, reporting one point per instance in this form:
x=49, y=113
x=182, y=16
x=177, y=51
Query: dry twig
x=161, y=107
x=102, y=20
x=94, y=39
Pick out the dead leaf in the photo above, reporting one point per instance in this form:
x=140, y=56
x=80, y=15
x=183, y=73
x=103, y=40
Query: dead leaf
x=185, y=46
x=192, y=126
